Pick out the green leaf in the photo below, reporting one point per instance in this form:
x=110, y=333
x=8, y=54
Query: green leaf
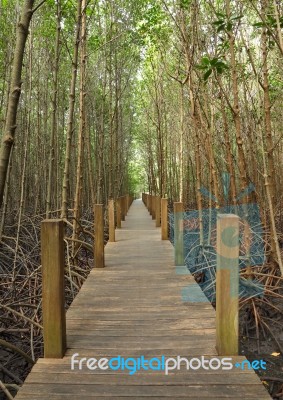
x=222, y=65
x=218, y=22
x=214, y=61
x=236, y=17
x=200, y=66
x=258, y=24
x=205, y=60
x=220, y=15
x=229, y=26
x=185, y=3
x=221, y=28
x=207, y=74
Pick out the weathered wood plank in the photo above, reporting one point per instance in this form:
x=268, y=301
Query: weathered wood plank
x=156, y=378
x=132, y=391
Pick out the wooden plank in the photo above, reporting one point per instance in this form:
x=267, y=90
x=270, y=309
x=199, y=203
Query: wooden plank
x=173, y=324
x=258, y=396
x=139, y=378
x=132, y=391
x=136, y=332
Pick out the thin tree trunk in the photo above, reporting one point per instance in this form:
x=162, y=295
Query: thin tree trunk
x=236, y=106
x=70, y=129
x=15, y=92
x=81, y=142
x=51, y=175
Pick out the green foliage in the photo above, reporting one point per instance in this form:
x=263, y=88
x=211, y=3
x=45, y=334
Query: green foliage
x=224, y=23
x=270, y=22
x=94, y=41
x=208, y=65
x=185, y=4
x=152, y=27
x=136, y=175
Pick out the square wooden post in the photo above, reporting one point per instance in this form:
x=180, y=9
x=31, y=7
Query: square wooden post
x=127, y=203
x=150, y=204
x=164, y=219
x=153, y=207
x=227, y=285
x=99, y=236
x=111, y=220
x=53, y=288
x=157, y=211
x=123, y=211
x=178, y=234
x=146, y=200
x=118, y=211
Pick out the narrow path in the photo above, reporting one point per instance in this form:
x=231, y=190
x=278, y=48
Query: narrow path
x=134, y=308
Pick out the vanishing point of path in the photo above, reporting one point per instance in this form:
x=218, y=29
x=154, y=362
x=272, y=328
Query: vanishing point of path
x=133, y=307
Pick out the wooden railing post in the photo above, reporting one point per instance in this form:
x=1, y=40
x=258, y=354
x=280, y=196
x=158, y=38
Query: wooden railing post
x=146, y=200
x=99, y=236
x=164, y=219
x=227, y=285
x=178, y=234
x=53, y=289
x=127, y=203
x=123, y=211
x=118, y=212
x=153, y=207
x=150, y=204
x=157, y=211
x=111, y=220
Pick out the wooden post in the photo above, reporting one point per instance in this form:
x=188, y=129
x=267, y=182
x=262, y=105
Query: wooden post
x=118, y=212
x=227, y=285
x=153, y=207
x=53, y=289
x=178, y=234
x=111, y=220
x=99, y=236
x=150, y=204
x=164, y=219
x=123, y=213
x=157, y=211
x=146, y=200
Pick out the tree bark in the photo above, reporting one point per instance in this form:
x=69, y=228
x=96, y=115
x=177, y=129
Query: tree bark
x=15, y=92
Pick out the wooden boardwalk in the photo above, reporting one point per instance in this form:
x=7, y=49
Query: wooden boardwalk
x=133, y=307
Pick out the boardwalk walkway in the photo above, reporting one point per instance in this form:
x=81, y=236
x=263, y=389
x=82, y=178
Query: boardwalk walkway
x=134, y=308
